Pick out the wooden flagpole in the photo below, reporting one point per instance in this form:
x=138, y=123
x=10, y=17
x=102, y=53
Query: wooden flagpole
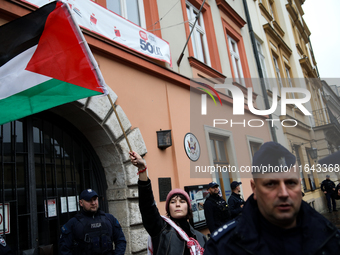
x=121, y=126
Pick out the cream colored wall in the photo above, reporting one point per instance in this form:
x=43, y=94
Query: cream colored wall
x=173, y=32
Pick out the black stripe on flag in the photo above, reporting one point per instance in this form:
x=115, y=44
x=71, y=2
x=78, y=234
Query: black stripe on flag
x=23, y=33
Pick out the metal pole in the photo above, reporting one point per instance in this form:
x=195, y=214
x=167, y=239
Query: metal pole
x=121, y=126
x=192, y=29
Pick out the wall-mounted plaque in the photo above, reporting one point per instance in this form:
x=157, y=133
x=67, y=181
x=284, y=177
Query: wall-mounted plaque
x=164, y=185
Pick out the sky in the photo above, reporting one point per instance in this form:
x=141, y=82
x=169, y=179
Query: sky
x=323, y=20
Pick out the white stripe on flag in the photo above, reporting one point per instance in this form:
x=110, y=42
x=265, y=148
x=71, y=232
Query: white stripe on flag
x=15, y=79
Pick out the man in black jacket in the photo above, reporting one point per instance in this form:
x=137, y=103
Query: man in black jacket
x=328, y=187
x=91, y=231
x=216, y=209
x=235, y=201
x=275, y=220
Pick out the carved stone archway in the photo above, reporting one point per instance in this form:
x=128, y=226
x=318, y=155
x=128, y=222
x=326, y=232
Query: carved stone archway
x=95, y=118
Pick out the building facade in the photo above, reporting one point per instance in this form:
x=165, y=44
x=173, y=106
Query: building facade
x=50, y=157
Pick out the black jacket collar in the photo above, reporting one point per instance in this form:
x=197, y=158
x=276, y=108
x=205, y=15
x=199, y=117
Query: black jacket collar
x=314, y=227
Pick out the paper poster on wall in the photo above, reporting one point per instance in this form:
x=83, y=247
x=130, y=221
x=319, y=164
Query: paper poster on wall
x=51, y=208
x=199, y=195
x=5, y=219
x=195, y=216
x=72, y=204
x=200, y=206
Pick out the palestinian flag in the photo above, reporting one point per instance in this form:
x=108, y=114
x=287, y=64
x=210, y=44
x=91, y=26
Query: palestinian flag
x=44, y=62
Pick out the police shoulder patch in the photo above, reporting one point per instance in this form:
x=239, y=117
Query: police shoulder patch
x=223, y=230
x=2, y=241
x=65, y=230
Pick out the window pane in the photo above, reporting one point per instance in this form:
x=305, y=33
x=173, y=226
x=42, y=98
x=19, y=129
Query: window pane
x=199, y=19
x=198, y=37
x=213, y=151
x=233, y=44
x=203, y=52
x=258, y=46
x=200, y=53
x=114, y=5
x=238, y=68
x=194, y=44
x=188, y=13
x=133, y=11
x=221, y=151
x=254, y=147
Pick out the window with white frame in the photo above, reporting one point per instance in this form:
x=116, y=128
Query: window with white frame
x=289, y=81
x=132, y=10
x=220, y=158
x=254, y=147
x=198, y=36
x=221, y=152
x=236, y=60
x=262, y=63
x=254, y=144
x=277, y=70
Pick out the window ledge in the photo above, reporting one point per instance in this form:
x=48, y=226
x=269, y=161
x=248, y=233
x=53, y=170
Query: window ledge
x=299, y=49
x=195, y=63
x=265, y=12
x=277, y=38
x=278, y=28
x=231, y=13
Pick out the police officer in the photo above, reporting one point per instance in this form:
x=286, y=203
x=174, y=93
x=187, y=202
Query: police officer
x=216, y=209
x=235, y=201
x=328, y=187
x=274, y=219
x=4, y=247
x=91, y=231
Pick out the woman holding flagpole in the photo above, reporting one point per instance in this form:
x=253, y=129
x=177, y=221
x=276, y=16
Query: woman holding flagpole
x=171, y=234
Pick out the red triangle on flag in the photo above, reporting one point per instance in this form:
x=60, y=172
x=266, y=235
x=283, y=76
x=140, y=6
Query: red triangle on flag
x=61, y=55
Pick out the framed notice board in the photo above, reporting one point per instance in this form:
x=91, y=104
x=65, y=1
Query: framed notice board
x=197, y=196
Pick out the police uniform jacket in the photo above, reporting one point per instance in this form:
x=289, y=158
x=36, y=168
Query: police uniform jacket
x=165, y=239
x=327, y=185
x=246, y=235
x=216, y=212
x=86, y=232
x=234, y=202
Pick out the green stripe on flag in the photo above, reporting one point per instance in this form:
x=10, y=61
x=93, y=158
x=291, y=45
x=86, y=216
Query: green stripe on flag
x=41, y=97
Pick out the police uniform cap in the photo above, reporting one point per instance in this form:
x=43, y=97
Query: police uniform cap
x=213, y=184
x=272, y=156
x=87, y=194
x=234, y=184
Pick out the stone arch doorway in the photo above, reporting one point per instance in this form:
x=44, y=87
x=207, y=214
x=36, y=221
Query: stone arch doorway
x=96, y=120
x=45, y=164
x=116, y=179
